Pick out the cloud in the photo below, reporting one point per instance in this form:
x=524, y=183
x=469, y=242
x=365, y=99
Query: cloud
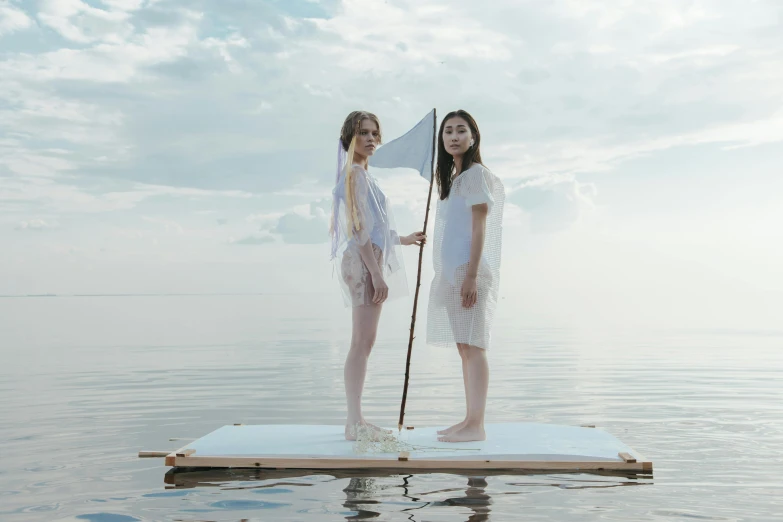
x=590, y=155
x=167, y=225
x=57, y=134
x=222, y=46
x=158, y=92
x=308, y=224
x=407, y=35
x=298, y=229
x=46, y=194
x=13, y=19
x=255, y=240
x=121, y=58
x=265, y=220
x=204, y=98
x=127, y=5
x=35, y=225
x=553, y=204
x=79, y=22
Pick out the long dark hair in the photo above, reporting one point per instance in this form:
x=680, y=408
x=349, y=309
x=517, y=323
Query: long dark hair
x=445, y=168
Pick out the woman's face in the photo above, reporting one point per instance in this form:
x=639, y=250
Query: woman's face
x=457, y=136
x=367, y=139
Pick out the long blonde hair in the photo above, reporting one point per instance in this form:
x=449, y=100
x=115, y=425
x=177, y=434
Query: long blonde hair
x=348, y=135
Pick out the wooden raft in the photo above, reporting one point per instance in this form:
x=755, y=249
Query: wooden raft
x=509, y=446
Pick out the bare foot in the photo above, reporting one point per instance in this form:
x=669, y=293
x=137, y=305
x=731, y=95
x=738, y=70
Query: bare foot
x=454, y=428
x=351, y=429
x=374, y=427
x=467, y=434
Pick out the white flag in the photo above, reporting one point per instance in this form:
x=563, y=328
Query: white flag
x=412, y=150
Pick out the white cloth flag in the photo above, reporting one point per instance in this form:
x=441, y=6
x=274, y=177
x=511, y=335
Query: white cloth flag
x=412, y=150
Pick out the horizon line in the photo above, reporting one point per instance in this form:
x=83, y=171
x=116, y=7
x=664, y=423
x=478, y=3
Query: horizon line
x=151, y=294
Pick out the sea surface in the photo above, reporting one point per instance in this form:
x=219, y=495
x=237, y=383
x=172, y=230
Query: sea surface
x=86, y=382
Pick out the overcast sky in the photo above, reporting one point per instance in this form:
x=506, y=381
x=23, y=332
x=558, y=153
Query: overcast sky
x=188, y=146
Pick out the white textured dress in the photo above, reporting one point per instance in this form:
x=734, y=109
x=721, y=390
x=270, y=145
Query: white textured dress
x=373, y=221
x=448, y=322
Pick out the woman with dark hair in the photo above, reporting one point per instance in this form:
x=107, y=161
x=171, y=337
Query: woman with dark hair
x=464, y=292
x=366, y=248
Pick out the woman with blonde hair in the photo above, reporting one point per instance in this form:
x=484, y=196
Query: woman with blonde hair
x=366, y=249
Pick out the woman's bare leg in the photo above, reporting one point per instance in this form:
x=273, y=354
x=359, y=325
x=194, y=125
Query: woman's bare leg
x=477, y=385
x=461, y=348
x=365, y=328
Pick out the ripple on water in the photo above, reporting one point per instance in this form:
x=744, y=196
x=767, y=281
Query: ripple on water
x=247, y=504
x=165, y=494
x=39, y=469
x=41, y=509
x=107, y=517
x=272, y=491
x=669, y=514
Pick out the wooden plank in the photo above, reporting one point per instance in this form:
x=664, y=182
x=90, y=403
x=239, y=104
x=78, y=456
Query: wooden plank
x=153, y=454
x=185, y=453
x=171, y=457
x=410, y=464
x=647, y=465
x=627, y=457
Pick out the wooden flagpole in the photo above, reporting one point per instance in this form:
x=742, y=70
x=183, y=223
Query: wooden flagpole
x=418, y=276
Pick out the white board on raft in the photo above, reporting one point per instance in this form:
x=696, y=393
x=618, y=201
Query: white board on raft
x=520, y=446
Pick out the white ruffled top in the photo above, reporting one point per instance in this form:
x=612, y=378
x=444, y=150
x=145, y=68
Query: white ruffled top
x=453, y=224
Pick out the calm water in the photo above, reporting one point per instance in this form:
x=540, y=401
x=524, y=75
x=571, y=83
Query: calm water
x=87, y=382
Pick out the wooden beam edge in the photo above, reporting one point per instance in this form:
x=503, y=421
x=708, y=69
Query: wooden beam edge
x=398, y=463
x=171, y=458
x=185, y=453
x=153, y=454
x=627, y=457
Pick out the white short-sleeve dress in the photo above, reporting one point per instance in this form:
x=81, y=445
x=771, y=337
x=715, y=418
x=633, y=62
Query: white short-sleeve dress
x=448, y=322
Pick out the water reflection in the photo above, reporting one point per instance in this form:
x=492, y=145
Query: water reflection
x=371, y=493
x=358, y=495
x=223, y=478
x=475, y=499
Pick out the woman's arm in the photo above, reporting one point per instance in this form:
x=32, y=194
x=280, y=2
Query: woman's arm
x=469, y=288
x=417, y=238
x=368, y=256
x=381, y=288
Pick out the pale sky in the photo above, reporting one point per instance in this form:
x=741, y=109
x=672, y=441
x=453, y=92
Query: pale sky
x=158, y=146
